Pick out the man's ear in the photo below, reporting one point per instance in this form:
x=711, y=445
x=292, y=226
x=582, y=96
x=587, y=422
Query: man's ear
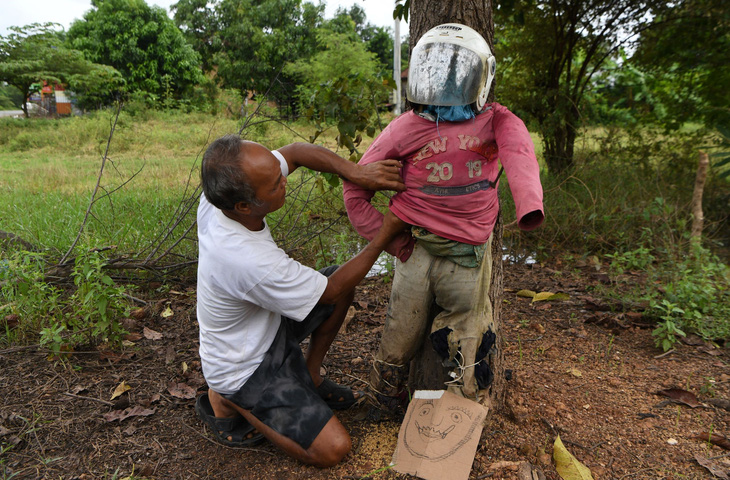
x=242, y=208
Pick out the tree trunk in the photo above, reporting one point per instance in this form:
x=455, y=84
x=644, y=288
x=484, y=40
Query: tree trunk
x=697, y=215
x=426, y=372
x=559, y=142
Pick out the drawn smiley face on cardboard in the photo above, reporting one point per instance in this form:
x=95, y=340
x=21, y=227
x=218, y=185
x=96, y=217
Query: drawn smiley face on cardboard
x=435, y=431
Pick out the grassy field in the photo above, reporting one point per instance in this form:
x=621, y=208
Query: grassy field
x=626, y=203
x=49, y=168
x=626, y=187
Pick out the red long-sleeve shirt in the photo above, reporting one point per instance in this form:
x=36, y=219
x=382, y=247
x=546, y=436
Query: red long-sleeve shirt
x=448, y=168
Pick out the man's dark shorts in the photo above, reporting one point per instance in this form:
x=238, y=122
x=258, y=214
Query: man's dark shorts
x=281, y=392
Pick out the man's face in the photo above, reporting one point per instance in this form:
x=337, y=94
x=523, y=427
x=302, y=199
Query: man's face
x=264, y=173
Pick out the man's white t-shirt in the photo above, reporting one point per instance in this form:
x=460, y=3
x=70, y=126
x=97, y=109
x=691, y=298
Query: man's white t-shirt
x=245, y=284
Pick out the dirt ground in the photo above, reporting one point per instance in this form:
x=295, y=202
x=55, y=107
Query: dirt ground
x=578, y=370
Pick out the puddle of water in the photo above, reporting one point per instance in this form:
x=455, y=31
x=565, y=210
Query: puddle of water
x=383, y=264
x=511, y=256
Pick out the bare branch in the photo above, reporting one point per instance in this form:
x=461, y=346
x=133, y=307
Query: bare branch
x=96, y=187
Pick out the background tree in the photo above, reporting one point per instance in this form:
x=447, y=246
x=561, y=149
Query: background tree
x=142, y=43
x=36, y=53
x=259, y=37
x=199, y=24
x=10, y=97
x=550, y=51
x=341, y=83
x=687, y=62
x=378, y=40
x=426, y=369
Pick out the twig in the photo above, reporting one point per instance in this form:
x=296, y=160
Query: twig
x=19, y=349
x=664, y=354
x=638, y=471
x=89, y=398
x=135, y=299
x=96, y=187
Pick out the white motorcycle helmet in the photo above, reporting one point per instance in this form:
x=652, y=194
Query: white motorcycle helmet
x=451, y=65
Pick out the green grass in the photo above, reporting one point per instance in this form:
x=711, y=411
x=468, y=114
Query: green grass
x=48, y=170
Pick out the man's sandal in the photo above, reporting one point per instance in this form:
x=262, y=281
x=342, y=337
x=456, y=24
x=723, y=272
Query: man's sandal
x=232, y=432
x=337, y=397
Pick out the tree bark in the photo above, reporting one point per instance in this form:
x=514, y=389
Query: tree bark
x=426, y=372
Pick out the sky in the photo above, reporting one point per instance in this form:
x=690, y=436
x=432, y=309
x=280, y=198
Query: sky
x=24, y=12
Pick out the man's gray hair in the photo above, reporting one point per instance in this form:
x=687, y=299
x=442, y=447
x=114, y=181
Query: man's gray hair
x=222, y=177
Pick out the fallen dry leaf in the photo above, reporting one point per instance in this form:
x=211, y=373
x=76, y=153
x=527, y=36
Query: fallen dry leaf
x=559, y=297
x=348, y=317
x=714, y=439
x=568, y=467
x=710, y=350
x=120, y=415
x=153, y=399
x=115, y=356
x=78, y=389
x=150, y=334
x=167, y=312
x=714, y=468
x=539, y=297
x=12, y=320
x=181, y=390
x=121, y=388
x=681, y=396
x=720, y=403
x=526, y=294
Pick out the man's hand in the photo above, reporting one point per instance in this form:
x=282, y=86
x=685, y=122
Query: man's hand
x=392, y=226
x=383, y=175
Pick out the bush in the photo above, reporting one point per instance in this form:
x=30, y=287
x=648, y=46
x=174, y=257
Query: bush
x=87, y=316
x=686, y=293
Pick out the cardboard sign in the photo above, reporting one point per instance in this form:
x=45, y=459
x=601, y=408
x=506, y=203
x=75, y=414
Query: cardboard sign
x=439, y=436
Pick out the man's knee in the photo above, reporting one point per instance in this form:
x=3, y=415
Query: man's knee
x=336, y=453
x=331, y=445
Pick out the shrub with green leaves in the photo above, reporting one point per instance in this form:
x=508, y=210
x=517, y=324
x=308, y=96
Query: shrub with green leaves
x=89, y=315
x=686, y=293
x=25, y=294
x=97, y=304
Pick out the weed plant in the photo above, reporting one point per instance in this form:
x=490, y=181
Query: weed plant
x=87, y=314
x=689, y=293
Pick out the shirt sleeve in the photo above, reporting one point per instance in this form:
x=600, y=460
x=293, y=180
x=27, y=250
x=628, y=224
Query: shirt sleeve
x=366, y=219
x=517, y=154
x=282, y=161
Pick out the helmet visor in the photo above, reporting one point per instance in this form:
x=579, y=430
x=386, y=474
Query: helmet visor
x=445, y=74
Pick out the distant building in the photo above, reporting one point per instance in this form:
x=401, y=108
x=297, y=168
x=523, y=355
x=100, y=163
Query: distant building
x=52, y=99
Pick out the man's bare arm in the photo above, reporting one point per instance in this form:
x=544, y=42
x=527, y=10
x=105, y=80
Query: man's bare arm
x=345, y=278
x=383, y=175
